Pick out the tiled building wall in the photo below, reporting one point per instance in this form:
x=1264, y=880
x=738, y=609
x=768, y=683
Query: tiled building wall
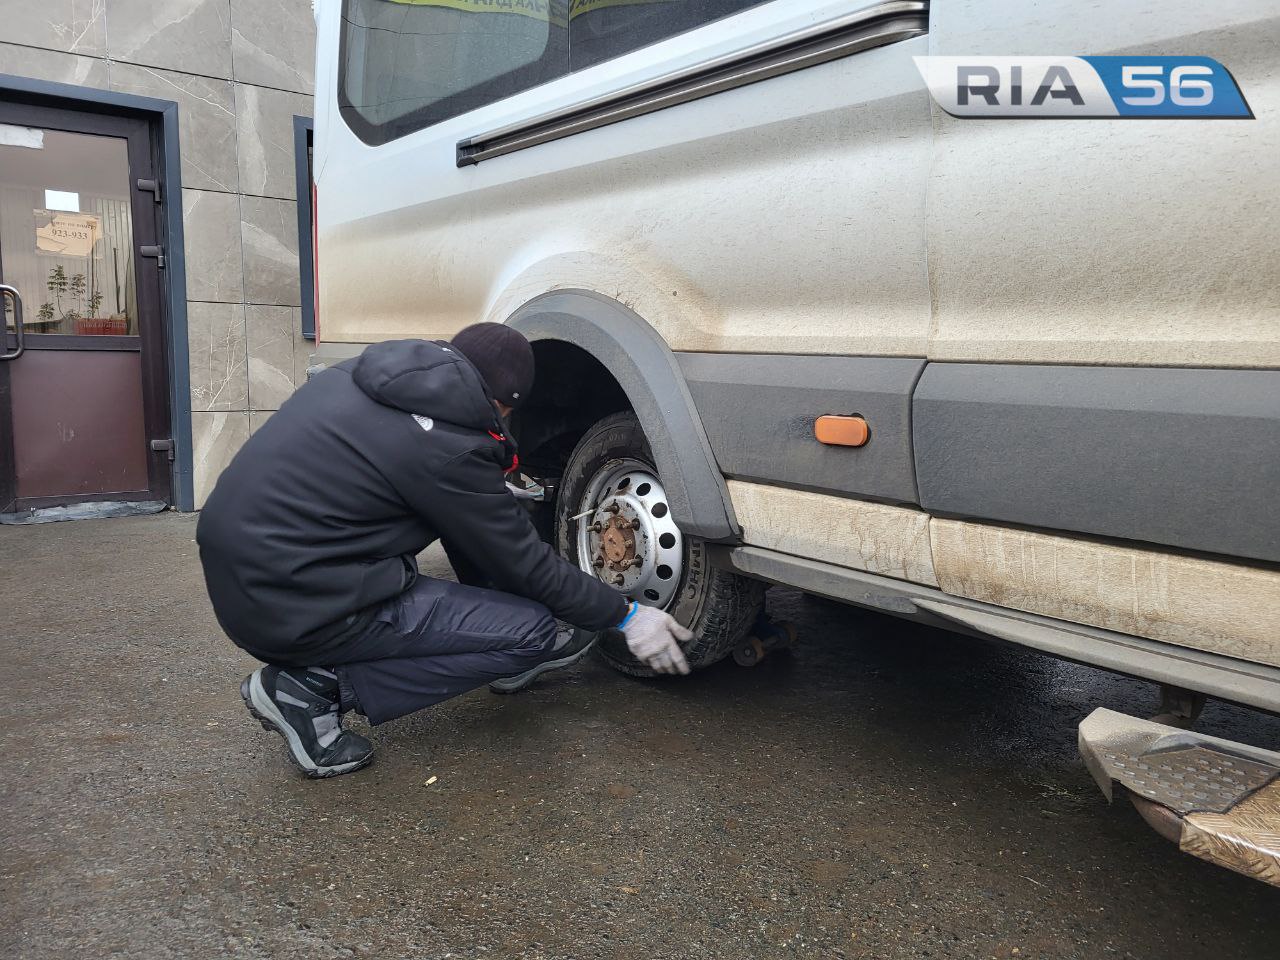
x=239, y=70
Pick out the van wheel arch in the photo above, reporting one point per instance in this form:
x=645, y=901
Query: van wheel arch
x=596, y=357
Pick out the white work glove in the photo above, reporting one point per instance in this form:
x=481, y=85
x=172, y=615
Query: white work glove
x=651, y=636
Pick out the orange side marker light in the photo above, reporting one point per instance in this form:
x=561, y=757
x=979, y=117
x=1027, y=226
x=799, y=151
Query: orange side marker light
x=841, y=431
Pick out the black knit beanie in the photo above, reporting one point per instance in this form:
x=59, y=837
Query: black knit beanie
x=503, y=357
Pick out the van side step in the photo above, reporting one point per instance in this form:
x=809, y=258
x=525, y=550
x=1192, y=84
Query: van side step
x=1216, y=799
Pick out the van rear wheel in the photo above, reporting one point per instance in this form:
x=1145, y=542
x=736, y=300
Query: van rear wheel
x=628, y=540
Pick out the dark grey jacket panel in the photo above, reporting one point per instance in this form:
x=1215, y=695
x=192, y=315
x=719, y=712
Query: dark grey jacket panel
x=646, y=369
x=319, y=515
x=759, y=411
x=1183, y=457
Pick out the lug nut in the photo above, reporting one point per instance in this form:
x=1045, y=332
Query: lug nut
x=598, y=562
x=619, y=579
x=637, y=561
x=612, y=508
x=595, y=527
x=635, y=524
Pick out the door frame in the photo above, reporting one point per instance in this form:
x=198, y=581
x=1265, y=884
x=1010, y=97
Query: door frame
x=151, y=342
x=161, y=117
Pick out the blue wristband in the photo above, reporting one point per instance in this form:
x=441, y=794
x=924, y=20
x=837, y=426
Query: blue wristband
x=631, y=612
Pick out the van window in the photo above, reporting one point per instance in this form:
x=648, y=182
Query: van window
x=603, y=29
x=406, y=64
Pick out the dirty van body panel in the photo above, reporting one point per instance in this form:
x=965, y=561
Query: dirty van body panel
x=759, y=411
x=662, y=212
x=858, y=534
x=1142, y=243
x=1200, y=603
x=1192, y=601
x=1182, y=457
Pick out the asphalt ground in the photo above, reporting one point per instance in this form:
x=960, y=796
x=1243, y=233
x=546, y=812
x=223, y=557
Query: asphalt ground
x=882, y=791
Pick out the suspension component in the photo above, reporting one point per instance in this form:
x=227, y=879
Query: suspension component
x=766, y=636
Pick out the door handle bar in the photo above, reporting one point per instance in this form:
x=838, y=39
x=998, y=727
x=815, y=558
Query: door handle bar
x=8, y=291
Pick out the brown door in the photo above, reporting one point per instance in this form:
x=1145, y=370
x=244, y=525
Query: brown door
x=84, y=396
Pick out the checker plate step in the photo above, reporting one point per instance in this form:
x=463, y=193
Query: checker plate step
x=1190, y=779
x=1217, y=799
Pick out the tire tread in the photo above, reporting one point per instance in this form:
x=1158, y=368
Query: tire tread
x=730, y=605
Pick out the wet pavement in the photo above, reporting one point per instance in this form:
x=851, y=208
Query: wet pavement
x=883, y=791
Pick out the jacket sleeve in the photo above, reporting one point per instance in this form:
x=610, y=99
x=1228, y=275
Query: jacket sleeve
x=468, y=504
x=466, y=571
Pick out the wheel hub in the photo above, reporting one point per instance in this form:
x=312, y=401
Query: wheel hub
x=627, y=538
x=618, y=543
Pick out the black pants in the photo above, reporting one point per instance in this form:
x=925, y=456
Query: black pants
x=436, y=640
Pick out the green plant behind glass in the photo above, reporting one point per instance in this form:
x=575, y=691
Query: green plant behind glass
x=83, y=301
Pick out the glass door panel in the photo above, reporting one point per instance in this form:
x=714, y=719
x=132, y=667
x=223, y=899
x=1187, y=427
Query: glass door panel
x=66, y=232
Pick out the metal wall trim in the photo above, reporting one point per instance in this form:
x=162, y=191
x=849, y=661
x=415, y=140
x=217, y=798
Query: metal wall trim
x=302, y=133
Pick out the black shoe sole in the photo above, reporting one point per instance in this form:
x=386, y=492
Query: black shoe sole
x=266, y=713
x=521, y=681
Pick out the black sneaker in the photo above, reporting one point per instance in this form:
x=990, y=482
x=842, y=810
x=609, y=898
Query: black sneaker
x=574, y=644
x=301, y=704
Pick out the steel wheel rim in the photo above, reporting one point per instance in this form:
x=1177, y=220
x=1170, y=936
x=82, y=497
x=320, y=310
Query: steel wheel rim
x=647, y=554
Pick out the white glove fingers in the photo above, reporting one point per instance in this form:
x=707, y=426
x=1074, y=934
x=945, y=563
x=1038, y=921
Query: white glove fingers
x=661, y=662
x=653, y=638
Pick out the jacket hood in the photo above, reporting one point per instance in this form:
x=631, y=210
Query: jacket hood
x=426, y=377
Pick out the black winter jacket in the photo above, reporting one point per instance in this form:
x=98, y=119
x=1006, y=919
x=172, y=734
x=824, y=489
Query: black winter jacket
x=318, y=517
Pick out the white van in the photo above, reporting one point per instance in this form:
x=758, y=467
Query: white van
x=796, y=324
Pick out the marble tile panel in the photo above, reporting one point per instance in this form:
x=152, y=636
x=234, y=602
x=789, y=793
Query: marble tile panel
x=264, y=118
x=270, y=331
x=71, y=26
x=217, y=356
x=193, y=36
x=273, y=43
x=206, y=121
x=211, y=222
x=269, y=231
x=52, y=66
x=215, y=439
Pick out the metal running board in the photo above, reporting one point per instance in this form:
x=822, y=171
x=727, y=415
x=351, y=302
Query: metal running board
x=1218, y=800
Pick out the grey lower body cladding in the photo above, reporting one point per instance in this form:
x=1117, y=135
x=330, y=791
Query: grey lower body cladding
x=759, y=411
x=1186, y=458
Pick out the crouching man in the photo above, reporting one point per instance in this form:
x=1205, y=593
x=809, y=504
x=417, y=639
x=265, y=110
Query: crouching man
x=309, y=537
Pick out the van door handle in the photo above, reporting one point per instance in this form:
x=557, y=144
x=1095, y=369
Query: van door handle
x=7, y=292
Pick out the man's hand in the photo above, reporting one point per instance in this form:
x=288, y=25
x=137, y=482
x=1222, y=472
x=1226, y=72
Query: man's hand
x=651, y=636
